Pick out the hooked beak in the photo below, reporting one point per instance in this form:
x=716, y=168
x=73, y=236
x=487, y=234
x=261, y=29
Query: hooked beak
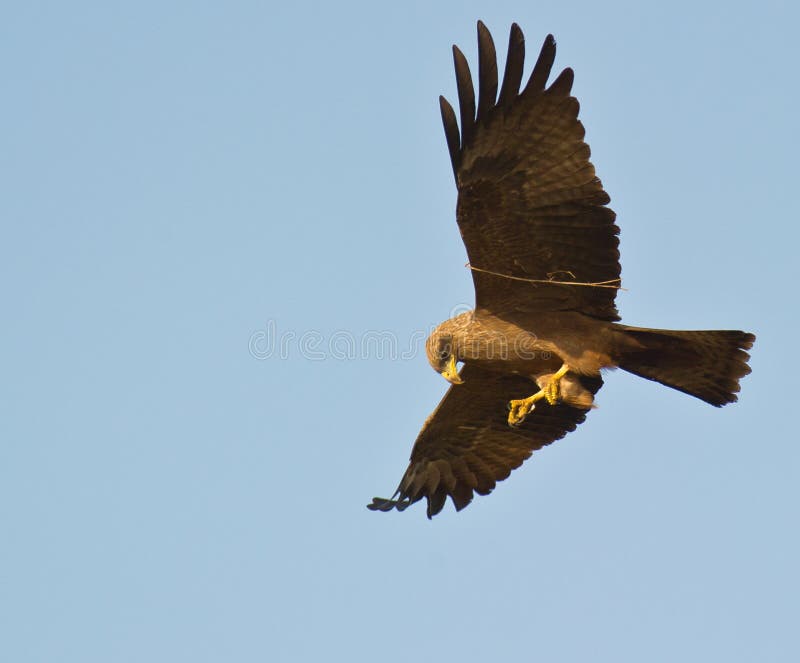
x=451, y=372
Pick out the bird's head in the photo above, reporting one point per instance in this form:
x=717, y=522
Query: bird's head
x=441, y=352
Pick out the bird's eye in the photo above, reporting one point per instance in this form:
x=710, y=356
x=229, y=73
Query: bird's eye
x=444, y=354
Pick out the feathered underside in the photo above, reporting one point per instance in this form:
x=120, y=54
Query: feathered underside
x=466, y=446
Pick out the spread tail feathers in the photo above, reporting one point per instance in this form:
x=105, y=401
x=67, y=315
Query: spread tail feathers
x=704, y=364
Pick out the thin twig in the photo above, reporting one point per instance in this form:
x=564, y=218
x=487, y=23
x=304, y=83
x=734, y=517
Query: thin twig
x=614, y=284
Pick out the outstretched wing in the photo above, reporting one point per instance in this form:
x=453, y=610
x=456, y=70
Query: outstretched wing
x=530, y=206
x=466, y=446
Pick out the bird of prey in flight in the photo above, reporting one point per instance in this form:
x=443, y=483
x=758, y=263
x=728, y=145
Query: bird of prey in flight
x=543, y=250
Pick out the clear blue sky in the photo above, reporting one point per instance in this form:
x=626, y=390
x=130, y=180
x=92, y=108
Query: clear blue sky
x=178, y=179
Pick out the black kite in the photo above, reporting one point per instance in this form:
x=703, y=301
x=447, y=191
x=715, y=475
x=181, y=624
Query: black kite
x=542, y=245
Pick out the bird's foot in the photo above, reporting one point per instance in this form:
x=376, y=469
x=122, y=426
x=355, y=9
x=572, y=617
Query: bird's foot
x=551, y=392
x=519, y=409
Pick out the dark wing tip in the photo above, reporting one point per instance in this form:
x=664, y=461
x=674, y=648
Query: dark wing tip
x=544, y=63
x=380, y=504
x=383, y=504
x=451, y=132
x=563, y=84
x=487, y=71
x=469, y=114
x=466, y=94
x=516, y=36
x=436, y=502
x=515, y=62
x=461, y=495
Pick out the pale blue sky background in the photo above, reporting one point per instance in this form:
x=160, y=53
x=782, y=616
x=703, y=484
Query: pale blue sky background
x=177, y=177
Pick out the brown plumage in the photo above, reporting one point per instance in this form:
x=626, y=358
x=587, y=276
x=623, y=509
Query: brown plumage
x=545, y=264
x=466, y=444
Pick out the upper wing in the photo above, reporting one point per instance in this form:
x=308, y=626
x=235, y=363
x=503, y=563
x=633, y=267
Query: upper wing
x=467, y=445
x=530, y=206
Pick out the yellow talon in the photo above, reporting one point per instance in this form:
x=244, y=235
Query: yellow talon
x=552, y=391
x=519, y=409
